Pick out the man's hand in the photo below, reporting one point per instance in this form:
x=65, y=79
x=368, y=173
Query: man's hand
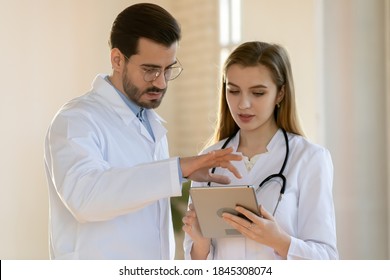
x=197, y=168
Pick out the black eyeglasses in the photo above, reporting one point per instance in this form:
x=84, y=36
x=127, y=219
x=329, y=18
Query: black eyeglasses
x=152, y=73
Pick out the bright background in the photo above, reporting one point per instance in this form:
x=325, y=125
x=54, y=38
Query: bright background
x=51, y=50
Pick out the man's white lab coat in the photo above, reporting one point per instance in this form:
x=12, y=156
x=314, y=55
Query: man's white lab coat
x=109, y=182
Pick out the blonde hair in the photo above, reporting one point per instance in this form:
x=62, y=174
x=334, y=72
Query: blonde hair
x=276, y=59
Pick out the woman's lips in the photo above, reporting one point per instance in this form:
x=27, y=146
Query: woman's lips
x=245, y=117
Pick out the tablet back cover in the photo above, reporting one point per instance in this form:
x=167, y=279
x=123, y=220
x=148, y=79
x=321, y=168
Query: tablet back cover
x=211, y=202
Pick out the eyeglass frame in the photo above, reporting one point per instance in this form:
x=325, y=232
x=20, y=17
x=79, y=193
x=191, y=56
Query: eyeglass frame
x=157, y=70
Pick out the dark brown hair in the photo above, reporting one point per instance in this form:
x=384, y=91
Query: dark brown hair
x=144, y=20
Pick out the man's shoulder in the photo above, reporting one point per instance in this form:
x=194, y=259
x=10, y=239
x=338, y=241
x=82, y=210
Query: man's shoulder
x=82, y=103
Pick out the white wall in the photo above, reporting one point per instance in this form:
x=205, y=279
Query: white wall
x=355, y=95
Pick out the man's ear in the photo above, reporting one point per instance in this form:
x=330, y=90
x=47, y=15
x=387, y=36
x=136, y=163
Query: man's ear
x=116, y=59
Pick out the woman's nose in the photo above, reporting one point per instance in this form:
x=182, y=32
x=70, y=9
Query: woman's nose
x=244, y=103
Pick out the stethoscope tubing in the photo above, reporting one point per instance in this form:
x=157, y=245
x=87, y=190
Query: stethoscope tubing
x=280, y=174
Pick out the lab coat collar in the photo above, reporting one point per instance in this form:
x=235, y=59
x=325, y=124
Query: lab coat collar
x=278, y=136
x=252, y=176
x=108, y=95
x=271, y=145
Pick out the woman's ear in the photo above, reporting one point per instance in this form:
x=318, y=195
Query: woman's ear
x=280, y=95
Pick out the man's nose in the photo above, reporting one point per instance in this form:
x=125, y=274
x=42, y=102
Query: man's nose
x=160, y=81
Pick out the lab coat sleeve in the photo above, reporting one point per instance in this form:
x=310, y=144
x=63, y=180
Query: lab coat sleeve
x=316, y=232
x=88, y=186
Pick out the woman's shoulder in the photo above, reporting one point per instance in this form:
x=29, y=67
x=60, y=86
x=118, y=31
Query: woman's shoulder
x=305, y=145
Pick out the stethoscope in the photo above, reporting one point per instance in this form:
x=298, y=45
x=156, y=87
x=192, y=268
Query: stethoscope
x=272, y=176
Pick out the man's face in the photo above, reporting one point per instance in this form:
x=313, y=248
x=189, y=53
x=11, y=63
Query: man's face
x=151, y=57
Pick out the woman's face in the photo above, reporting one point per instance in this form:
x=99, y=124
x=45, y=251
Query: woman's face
x=251, y=95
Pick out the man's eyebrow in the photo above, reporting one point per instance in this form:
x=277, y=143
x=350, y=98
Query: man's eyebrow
x=157, y=66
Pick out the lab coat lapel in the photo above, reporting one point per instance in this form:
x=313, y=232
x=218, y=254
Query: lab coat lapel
x=156, y=121
x=269, y=162
x=144, y=132
x=106, y=94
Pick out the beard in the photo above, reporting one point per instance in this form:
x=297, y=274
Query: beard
x=135, y=94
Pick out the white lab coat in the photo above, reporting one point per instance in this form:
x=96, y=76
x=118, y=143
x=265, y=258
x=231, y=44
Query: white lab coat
x=109, y=182
x=306, y=211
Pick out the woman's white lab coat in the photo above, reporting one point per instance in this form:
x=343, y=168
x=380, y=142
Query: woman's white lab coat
x=109, y=182
x=306, y=211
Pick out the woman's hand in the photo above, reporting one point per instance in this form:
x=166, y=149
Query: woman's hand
x=264, y=230
x=201, y=245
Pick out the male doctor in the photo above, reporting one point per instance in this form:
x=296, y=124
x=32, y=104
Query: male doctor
x=106, y=154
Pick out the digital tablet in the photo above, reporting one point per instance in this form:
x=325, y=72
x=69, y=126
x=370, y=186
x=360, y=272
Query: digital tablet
x=211, y=202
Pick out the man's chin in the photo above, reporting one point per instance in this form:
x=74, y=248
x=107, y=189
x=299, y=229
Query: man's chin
x=151, y=104
x=149, y=101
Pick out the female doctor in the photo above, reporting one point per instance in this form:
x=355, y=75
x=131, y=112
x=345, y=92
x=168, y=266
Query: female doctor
x=293, y=177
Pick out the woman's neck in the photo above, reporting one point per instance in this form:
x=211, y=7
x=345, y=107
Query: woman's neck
x=255, y=141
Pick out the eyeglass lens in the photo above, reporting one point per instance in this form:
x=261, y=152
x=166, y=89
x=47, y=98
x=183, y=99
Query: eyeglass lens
x=170, y=73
